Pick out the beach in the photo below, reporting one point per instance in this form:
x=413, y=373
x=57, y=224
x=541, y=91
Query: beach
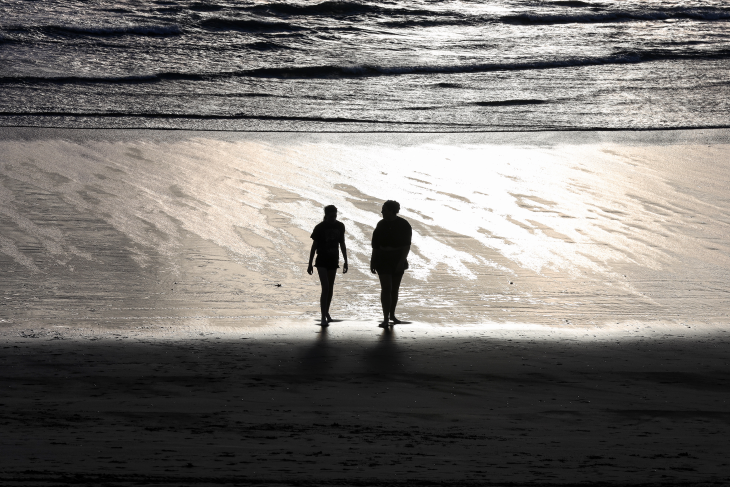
x=566, y=308
x=564, y=166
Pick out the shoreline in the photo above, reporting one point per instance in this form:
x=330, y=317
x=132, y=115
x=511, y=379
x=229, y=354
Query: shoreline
x=460, y=130
x=671, y=136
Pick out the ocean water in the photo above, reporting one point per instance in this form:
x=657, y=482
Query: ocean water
x=418, y=65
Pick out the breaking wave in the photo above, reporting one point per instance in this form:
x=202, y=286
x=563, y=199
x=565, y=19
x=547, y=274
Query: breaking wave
x=248, y=25
x=357, y=71
x=103, y=30
x=711, y=14
x=335, y=8
x=422, y=17
x=200, y=116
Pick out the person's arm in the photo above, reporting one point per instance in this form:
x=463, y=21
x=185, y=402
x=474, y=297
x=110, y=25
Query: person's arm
x=343, y=247
x=344, y=255
x=402, y=261
x=310, y=269
x=406, y=249
x=374, y=242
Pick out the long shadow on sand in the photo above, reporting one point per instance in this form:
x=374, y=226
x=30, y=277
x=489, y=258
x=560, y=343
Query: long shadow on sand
x=386, y=357
x=325, y=358
x=318, y=359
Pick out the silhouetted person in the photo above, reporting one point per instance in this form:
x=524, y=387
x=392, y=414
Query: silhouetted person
x=391, y=245
x=329, y=237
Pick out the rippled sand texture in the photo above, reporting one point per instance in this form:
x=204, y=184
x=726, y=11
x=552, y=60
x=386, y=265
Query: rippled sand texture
x=125, y=228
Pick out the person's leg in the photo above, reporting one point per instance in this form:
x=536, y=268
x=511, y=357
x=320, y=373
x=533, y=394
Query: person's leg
x=331, y=274
x=397, y=277
x=386, y=290
x=324, y=298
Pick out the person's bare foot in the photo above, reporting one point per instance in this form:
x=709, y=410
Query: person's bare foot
x=395, y=321
x=324, y=323
x=384, y=324
x=329, y=318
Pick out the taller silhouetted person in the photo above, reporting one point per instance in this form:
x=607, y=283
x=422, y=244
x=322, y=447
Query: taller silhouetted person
x=328, y=237
x=391, y=245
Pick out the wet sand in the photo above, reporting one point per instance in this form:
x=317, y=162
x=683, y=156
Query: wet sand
x=123, y=227
x=567, y=300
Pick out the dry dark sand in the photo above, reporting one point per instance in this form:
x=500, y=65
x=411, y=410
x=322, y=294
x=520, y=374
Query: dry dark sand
x=568, y=294
x=388, y=410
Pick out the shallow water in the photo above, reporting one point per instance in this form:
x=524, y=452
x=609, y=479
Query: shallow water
x=365, y=65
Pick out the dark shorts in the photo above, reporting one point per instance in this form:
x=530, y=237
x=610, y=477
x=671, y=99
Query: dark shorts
x=386, y=262
x=327, y=263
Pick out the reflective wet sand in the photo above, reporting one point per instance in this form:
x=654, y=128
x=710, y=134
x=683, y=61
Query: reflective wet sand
x=128, y=228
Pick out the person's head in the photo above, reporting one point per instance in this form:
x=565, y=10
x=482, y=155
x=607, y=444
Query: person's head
x=390, y=209
x=330, y=212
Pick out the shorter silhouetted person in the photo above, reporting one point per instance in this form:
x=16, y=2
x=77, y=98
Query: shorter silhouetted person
x=391, y=245
x=328, y=237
